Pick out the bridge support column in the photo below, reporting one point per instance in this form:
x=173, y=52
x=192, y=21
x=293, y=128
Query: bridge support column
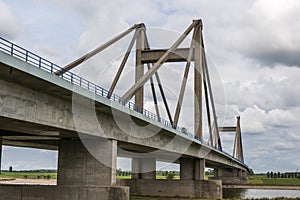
x=0, y=155
x=192, y=169
x=191, y=185
x=231, y=176
x=76, y=166
x=143, y=168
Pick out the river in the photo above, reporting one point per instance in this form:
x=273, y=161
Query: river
x=259, y=193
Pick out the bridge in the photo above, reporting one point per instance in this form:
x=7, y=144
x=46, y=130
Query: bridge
x=47, y=106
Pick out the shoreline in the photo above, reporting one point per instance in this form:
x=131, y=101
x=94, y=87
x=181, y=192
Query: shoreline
x=263, y=187
x=54, y=182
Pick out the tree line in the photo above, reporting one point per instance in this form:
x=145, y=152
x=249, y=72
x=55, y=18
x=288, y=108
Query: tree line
x=283, y=175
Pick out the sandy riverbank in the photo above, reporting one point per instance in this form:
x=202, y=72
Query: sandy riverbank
x=29, y=181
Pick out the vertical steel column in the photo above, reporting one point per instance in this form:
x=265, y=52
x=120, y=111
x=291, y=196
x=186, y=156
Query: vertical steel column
x=198, y=83
x=139, y=71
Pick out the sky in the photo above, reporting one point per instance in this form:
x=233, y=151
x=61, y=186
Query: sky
x=253, y=49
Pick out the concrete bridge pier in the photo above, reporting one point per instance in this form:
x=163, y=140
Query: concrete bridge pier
x=231, y=176
x=191, y=185
x=92, y=167
x=81, y=176
x=143, y=168
x=0, y=154
x=77, y=166
x=192, y=169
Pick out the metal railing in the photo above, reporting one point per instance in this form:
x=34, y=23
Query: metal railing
x=37, y=61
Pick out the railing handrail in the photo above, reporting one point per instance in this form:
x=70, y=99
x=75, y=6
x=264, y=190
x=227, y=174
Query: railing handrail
x=44, y=64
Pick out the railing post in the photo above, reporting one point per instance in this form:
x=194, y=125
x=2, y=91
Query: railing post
x=12, y=50
x=26, y=56
x=40, y=62
x=71, y=77
x=51, y=70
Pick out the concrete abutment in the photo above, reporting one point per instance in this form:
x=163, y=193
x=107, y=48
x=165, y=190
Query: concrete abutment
x=231, y=176
x=174, y=188
x=191, y=185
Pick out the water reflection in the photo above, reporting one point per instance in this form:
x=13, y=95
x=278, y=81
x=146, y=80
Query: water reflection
x=234, y=193
x=259, y=193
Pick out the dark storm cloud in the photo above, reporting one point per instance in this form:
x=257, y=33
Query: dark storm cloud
x=274, y=57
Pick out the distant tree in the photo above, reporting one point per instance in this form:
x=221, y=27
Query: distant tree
x=119, y=172
x=251, y=172
x=10, y=169
x=278, y=174
x=271, y=175
x=170, y=175
x=268, y=175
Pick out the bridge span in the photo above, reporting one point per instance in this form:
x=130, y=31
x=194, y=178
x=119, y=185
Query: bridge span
x=48, y=107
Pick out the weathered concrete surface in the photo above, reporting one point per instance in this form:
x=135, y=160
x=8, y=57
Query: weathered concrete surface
x=192, y=169
x=26, y=192
x=174, y=188
x=0, y=154
x=230, y=176
x=143, y=168
x=76, y=165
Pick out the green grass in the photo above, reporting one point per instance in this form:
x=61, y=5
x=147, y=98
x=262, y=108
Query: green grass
x=124, y=177
x=29, y=175
x=262, y=180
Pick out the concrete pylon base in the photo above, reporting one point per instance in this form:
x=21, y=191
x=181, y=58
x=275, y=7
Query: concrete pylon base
x=230, y=176
x=25, y=192
x=174, y=188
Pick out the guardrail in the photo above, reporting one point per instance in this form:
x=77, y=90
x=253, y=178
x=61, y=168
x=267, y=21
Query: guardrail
x=37, y=61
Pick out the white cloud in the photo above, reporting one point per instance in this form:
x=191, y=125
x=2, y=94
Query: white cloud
x=9, y=25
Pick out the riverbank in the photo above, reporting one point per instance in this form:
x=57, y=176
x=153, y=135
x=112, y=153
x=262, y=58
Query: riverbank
x=20, y=181
x=264, y=187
